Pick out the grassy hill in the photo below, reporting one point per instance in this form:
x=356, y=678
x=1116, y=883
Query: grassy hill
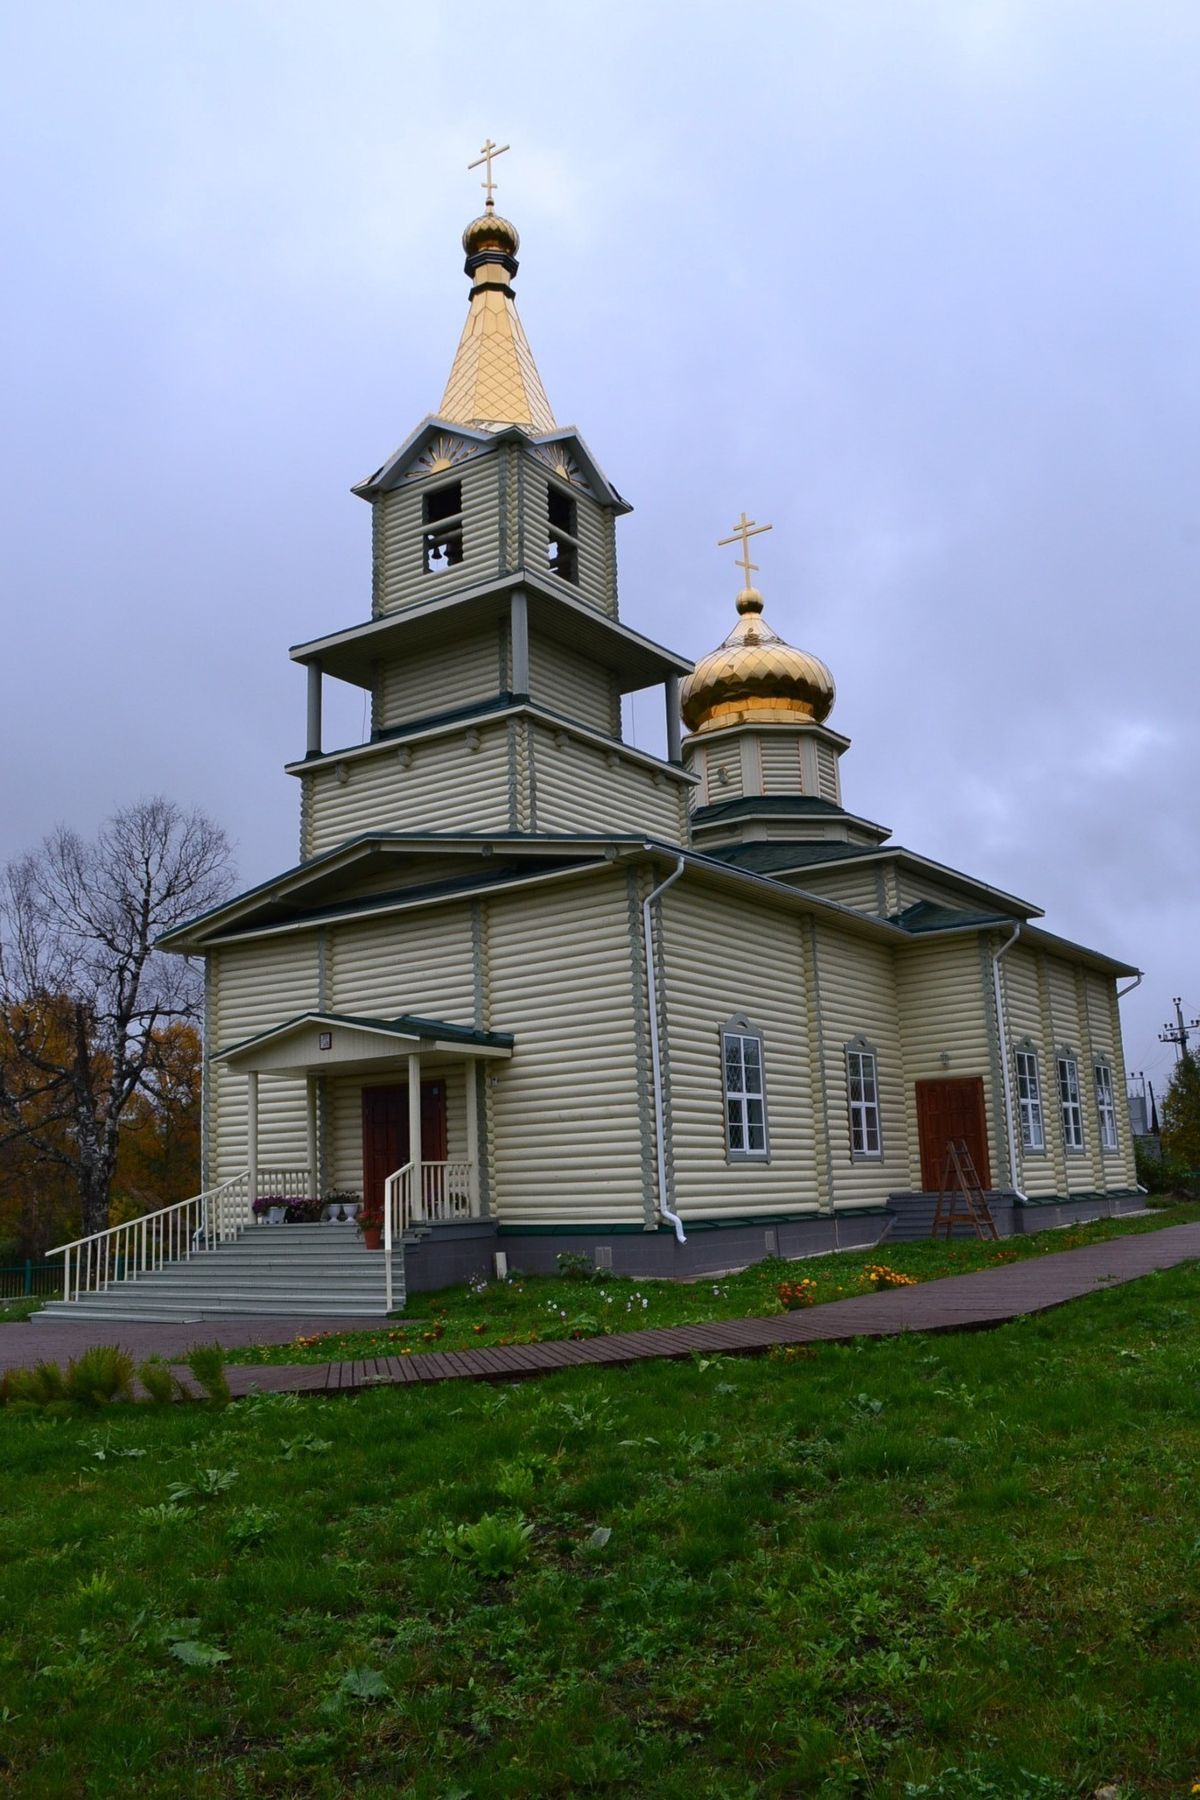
x=951, y=1566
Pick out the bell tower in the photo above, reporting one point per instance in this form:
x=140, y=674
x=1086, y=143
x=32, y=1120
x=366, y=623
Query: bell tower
x=494, y=656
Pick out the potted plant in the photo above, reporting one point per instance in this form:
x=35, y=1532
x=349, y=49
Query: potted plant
x=341, y=1206
x=303, y=1211
x=370, y=1223
x=272, y=1208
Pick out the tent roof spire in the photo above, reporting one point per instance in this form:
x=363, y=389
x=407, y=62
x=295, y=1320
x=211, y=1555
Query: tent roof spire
x=494, y=380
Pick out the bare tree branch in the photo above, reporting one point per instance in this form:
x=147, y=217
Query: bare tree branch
x=83, y=988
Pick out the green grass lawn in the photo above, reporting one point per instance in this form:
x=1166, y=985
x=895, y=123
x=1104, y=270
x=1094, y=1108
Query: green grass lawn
x=936, y=1567
x=539, y=1308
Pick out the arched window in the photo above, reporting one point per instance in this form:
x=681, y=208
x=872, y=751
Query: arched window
x=1106, y=1104
x=745, y=1092
x=862, y=1096
x=1029, y=1097
x=1068, y=1099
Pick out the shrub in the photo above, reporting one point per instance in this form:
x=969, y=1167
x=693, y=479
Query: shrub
x=574, y=1265
x=207, y=1363
x=40, y=1386
x=156, y=1377
x=494, y=1545
x=103, y=1373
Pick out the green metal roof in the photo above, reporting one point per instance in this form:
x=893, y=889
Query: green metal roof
x=928, y=915
x=407, y=1026
x=774, y=858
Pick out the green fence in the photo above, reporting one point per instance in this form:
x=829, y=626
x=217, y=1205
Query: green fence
x=30, y=1278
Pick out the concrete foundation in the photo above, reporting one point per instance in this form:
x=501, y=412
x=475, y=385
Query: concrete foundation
x=443, y=1255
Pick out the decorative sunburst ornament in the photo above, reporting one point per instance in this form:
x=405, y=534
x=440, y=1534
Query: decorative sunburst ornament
x=440, y=453
x=559, y=460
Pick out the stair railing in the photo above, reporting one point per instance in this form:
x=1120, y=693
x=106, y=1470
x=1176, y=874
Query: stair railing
x=397, y=1206
x=91, y=1265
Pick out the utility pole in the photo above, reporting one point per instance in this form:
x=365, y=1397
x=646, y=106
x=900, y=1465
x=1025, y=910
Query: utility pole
x=1178, y=1033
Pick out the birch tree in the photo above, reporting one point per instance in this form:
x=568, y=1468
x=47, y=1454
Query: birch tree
x=83, y=991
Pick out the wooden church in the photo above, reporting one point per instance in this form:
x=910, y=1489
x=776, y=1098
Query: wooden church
x=539, y=990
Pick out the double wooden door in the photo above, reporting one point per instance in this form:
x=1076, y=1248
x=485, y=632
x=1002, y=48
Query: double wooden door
x=948, y=1109
x=385, y=1133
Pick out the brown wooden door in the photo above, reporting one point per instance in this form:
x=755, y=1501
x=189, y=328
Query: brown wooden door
x=951, y=1109
x=385, y=1133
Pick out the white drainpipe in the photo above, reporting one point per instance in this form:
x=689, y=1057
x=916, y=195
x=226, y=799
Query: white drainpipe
x=1002, y=1029
x=1121, y=993
x=660, y=1142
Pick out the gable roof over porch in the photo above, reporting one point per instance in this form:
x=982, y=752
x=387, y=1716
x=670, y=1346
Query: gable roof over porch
x=314, y=1041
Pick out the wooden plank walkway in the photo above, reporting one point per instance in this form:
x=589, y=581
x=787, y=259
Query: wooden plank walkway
x=956, y=1303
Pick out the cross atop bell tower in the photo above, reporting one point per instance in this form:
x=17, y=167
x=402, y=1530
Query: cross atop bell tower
x=494, y=381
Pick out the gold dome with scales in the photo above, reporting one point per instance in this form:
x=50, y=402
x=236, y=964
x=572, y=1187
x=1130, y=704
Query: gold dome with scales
x=755, y=677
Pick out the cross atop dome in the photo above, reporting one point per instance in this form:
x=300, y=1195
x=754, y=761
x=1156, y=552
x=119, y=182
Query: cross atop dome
x=742, y=532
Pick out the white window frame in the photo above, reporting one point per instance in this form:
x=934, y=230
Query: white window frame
x=743, y=1095
x=866, y=1118
x=1106, y=1105
x=1029, y=1098
x=1070, y=1102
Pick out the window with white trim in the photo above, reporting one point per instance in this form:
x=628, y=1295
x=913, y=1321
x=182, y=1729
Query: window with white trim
x=1068, y=1099
x=1029, y=1098
x=1106, y=1106
x=745, y=1095
x=862, y=1093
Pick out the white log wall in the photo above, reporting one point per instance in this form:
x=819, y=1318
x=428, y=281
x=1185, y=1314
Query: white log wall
x=252, y=987
x=859, y=998
x=432, y=784
x=438, y=678
x=721, y=772
x=720, y=958
x=854, y=884
x=412, y=962
x=565, y=682
x=829, y=782
x=942, y=1006
x=782, y=767
x=564, y=1123
x=400, y=577
x=578, y=786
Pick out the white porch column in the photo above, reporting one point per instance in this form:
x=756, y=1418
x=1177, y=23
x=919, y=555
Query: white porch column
x=414, y=1133
x=314, y=1173
x=472, y=1137
x=252, y=1132
x=519, y=634
x=674, y=722
x=314, y=709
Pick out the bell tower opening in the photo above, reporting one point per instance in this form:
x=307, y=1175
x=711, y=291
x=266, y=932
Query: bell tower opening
x=443, y=544
x=562, y=550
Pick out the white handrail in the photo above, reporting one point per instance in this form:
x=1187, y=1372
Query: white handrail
x=170, y=1234
x=442, y=1191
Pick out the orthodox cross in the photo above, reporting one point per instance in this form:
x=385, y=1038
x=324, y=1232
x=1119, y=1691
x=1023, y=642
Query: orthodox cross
x=489, y=152
x=743, y=531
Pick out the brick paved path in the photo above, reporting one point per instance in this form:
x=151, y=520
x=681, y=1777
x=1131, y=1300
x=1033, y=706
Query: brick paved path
x=957, y=1303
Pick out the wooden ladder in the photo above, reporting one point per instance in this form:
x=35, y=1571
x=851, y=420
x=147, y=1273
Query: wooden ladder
x=960, y=1181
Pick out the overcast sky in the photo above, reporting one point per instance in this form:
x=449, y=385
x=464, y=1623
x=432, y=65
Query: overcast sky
x=916, y=281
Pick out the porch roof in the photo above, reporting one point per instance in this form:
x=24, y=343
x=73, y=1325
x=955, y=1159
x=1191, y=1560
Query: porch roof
x=320, y=1040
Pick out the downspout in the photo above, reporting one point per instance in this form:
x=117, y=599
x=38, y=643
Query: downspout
x=1121, y=993
x=1005, y=1070
x=660, y=1141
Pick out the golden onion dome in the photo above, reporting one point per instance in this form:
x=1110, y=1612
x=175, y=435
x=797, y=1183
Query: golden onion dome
x=755, y=678
x=490, y=232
